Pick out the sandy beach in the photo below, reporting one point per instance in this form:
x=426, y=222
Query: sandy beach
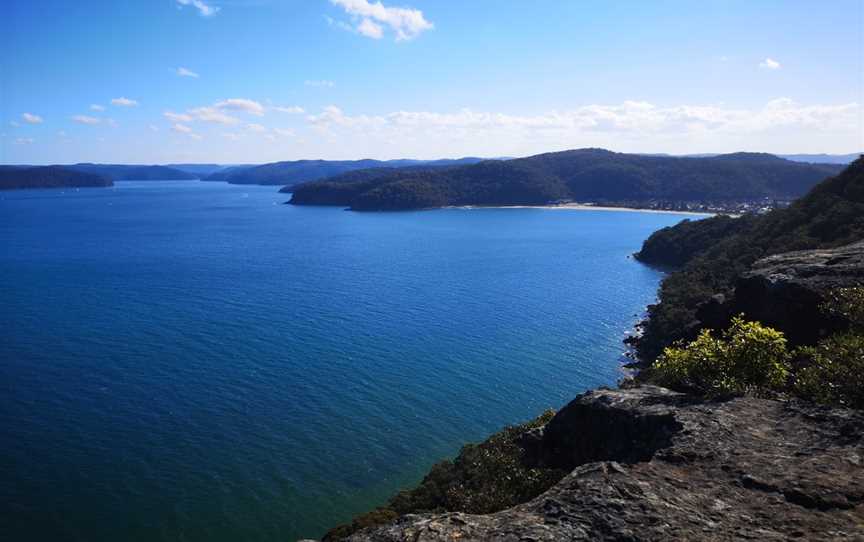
x=583, y=207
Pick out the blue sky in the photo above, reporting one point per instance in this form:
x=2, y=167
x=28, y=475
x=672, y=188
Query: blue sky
x=241, y=81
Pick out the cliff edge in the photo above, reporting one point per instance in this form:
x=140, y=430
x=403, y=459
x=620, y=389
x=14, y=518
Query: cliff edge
x=651, y=464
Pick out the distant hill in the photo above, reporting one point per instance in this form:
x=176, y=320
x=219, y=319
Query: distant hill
x=585, y=175
x=12, y=177
x=711, y=253
x=199, y=170
x=300, y=171
x=120, y=172
x=823, y=158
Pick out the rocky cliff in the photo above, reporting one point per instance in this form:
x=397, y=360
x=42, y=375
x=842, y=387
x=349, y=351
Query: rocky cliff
x=786, y=292
x=651, y=464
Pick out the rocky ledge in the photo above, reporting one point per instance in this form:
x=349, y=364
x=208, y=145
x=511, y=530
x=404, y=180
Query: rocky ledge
x=786, y=292
x=651, y=464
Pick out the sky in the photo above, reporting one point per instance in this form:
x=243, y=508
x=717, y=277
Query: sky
x=253, y=81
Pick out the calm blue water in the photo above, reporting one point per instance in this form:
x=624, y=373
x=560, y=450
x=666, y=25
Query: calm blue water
x=195, y=361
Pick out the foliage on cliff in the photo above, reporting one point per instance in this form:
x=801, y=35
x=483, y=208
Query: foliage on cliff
x=714, y=252
x=484, y=478
x=746, y=357
x=751, y=357
x=593, y=175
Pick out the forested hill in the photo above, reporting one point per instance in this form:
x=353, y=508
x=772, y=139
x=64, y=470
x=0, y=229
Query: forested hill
x=585, y=175
x=300, y=171
x=121, y=172
x=12, y=177
x=711, y=253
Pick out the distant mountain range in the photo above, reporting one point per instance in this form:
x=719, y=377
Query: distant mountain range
x=585, y=175
x=14, y=177
x=300, y=171
x=121, y=172
x=808, y=158
x=291, y=173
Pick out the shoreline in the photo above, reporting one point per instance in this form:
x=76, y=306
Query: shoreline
x=584, y=207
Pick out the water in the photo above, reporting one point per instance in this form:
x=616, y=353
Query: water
x=195, y=361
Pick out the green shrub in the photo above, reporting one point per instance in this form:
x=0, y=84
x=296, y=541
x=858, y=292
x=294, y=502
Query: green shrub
x=746, y=357
x=846, y=304
x=834, y=371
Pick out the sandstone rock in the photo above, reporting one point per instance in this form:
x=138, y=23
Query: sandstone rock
x=786, y=290
x=651, y=464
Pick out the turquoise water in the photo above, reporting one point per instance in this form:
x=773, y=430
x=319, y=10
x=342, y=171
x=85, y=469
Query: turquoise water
x=195, y=361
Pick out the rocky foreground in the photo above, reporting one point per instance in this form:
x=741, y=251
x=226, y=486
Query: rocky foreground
x=651, y=464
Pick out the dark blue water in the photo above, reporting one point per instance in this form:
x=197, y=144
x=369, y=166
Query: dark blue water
x=195, y=361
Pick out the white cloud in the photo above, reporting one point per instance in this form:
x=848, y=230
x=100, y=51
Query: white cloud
x=294, y=109
x=177, y=117
x=241, y=104
x=181, y=128
x=769, y=64
x=97, y=107
x=24, y=141
x=256, y=128
x=233, y=136
x=196, y=136
x=370, y=17
x=205, y=9
x=284, y=132
x=14, y=123
x=321, y=83
x=124, y=102
x=153, y=128
x=30, y=118
x=111, y=122
x=370, y=29
x=633, y=126
x=211, y=114
x=61, y=133
x=184, y=72
x=85, y=119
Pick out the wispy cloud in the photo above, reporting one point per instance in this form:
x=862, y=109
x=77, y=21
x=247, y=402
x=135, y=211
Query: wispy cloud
x=14, y=123
x=216, y=113
x=256, y=128
x=153, y=128
x=30, y=118
x=370, y=18
x=177, y=117
x=632, y=125
x=205, y=9
x=181, y=128
x=24, y=141
x=241, y=104
x=769, y=64
x=124, y=102
x=293, y=109
x=185, y=72
x=97, y=107
x=320, y=83
x=85, y=119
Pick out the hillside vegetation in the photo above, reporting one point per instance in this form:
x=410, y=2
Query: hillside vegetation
x=12, y=177
x=121, y=172
x=586, y=175
x=294, y=172
x=713, y=252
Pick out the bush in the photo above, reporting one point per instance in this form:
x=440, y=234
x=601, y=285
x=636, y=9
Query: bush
x=846, y=304
x=834, y=371
x=746, y=357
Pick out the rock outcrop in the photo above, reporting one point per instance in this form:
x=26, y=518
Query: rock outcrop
x=651, y=464
x=786, y=292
